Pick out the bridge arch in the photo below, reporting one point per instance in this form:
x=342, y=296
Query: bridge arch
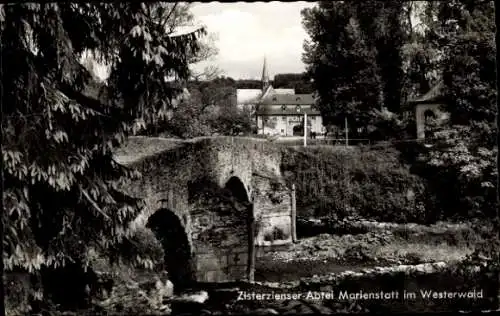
x=238, y=189
x=238, y=262
x=238, y=184
x=178, y=253
x=212, y=199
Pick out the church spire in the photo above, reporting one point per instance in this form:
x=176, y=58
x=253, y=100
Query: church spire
x=265, y=76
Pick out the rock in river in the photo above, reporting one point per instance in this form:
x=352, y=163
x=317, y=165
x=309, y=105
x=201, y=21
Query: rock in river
x=265, y=311
x=197, y=297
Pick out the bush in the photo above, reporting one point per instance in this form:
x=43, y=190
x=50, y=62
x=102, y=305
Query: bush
x=459, y=174
x=276, y=234
x=371, y=183
x=18, y=289
x=358, y=253
x=142, y=249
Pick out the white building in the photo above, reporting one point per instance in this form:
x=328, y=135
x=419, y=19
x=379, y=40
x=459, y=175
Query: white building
x=250, y=98
x=280, y=111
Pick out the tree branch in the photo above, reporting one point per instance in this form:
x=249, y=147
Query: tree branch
x=163, y=25
x=93, y=203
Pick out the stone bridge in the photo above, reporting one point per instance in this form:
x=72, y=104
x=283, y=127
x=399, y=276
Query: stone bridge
x=202, y=196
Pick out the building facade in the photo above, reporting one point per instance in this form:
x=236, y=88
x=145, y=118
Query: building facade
x=281, y=112
x=429, y=107
x=284, y=115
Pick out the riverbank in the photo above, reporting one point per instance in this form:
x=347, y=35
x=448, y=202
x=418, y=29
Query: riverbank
x=357, y=244
x=402, y=288
x=371, y=258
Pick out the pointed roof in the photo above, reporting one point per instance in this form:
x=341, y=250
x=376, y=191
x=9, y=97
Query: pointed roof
x=265, y=73
x=269, y=90
x=435, y=94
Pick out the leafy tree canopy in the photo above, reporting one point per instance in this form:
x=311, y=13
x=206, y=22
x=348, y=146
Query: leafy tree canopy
x=61, y=194
x=341, y=63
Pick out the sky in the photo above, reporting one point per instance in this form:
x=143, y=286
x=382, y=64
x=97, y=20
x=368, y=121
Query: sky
x=246, y=32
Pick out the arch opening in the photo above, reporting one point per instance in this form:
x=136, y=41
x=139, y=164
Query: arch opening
x=237, y=190
x=169, y=230
x=245, y=227
x=429, y=114
x=429, y=119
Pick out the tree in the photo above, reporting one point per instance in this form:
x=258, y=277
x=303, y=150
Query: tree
x=465, y=149
x=421, y=55
x=248, y=84
x=207, y=51
x=188, y=120
x=61, y=194
x=287, y=80
x=299, y=82
x=342, y=64
x=231, y=121
x=210, y=109
x=382, y=24
x=219, y=92
x=469, y=65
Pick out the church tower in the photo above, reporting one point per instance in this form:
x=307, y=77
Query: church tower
x=265, y=76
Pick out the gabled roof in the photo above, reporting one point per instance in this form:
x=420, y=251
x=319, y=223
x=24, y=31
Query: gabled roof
x=435, y=94
x=249, y=96
x=270, y=91
x=289, y=99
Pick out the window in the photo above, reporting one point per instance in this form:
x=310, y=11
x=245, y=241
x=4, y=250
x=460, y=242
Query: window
x=275, y=98
x=283, y=118
x=297, y=108
x=297, y=99
x=313, y=118
x=283, y=107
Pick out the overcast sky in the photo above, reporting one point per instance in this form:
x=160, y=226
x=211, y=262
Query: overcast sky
x=248, y=31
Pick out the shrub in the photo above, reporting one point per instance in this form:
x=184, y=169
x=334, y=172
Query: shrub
x=412, y=258
x=358, y=253
x=142, y=249
x=460, y=175
x=276, y=234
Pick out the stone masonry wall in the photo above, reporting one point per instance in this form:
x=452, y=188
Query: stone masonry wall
x=219, y=232
x=420, y=110
x=217, y=229
x=272, y=204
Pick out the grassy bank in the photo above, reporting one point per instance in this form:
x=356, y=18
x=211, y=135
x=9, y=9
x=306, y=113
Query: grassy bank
x=371, y=183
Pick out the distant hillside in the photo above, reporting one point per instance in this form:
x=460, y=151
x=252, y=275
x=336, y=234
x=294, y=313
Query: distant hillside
x=297, y=81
